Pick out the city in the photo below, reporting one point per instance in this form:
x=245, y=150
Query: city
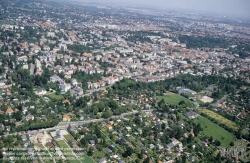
x=87, y=82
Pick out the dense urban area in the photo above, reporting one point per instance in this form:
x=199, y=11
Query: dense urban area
x=85, y=83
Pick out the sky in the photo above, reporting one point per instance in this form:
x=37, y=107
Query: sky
x=219, y=7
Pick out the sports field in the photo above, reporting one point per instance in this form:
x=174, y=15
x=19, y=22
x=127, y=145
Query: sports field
x=173, y=98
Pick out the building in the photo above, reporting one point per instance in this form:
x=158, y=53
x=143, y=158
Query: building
x=64, y=87
x=66, y=118
x=185, y=91
x=41, y=91
x=191, y=115
x=9, y=111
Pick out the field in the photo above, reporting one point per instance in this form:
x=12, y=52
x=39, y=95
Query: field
x=55, y=97
x=86, y=159
x=65, y=149
x=173, y=98
x=62, y=145
x=220, y=119
x=68, y=137
x=214, y=130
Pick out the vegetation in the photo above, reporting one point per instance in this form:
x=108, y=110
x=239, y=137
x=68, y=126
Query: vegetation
x=220, y=120
x=200, y=42
x=55, y=97
x=79, y=48
x=86, y=158
x=175, y=99
x=68, y=137
x=210, y=129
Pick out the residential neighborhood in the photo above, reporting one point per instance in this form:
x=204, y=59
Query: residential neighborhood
x=105, y=83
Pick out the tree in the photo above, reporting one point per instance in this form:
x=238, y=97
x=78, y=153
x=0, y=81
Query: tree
x=107, y=114
x=97, y=132
x=147, y=160
x=129, y=151
x=83, y=142
x=90, y=152
x=217, y=143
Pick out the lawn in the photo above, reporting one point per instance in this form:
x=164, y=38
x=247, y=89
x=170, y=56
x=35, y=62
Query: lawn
x=214, y=130
x=55, y=97
x=99, y=154
x=67, y=152
x=86, y=159
x=173, y=98
x=62, y=144
x=68, y=137
x=220, y=119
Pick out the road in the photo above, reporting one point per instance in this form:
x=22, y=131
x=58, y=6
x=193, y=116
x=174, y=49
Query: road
x=76, y=123
x=32, y=68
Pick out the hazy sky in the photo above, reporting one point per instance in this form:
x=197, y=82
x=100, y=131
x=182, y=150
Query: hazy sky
x=222, y=7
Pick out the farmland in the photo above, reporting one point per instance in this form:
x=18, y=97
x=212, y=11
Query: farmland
x=220, y=119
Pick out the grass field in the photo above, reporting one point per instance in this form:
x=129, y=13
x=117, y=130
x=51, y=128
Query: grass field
x=173, y=98
x=214, y=130
x=220, y=119
x=68, y=137
x=86, y=159
x=62, y=144
x=65, y=149
x=55, y=97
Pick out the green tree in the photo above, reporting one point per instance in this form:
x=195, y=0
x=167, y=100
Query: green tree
x=107, y=114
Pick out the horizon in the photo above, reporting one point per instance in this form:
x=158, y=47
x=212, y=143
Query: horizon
x=233, y=8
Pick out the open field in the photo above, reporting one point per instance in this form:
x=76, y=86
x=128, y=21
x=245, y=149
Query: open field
x=68, y=137
x=206, y=99
x=214, y=130
x=65, y=149
x=173, y=98
x=62, y=145
x=220, y=119
x=86, y=159
x=55, y=97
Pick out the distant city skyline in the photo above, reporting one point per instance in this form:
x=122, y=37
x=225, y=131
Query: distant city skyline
x=220, y=7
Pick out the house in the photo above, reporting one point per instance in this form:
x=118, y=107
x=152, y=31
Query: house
x=92, y=142
x=151, y=146
x=77, y=91
x=41, y=91
x=191, y=115
x=9, y=111
x=81, y=117
x=102, y=160
x=192, y=158
x=109, y=127
x=66, y=101
x=73, y=82
x=1, y=127
x=55, y=78
x=25, y=144
x=129, y=128
x=64, y=86
x=18, y=123
x=66, y=118
x=29, y=117
x=24, y=137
